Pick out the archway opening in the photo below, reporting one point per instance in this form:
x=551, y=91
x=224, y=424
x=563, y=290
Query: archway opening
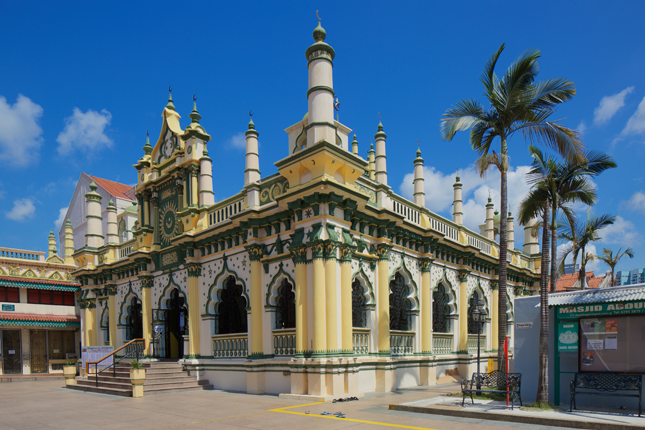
x=285, y=306
x=400, y=305
x=231, y=310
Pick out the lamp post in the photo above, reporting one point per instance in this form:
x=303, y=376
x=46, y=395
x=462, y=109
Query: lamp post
x=479, y=316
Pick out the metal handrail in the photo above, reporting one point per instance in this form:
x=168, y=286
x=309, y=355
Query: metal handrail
x=133, y=348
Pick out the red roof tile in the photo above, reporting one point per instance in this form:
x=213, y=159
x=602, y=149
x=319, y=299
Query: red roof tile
x=114, y=188
x=38, y=317
x=567, y=281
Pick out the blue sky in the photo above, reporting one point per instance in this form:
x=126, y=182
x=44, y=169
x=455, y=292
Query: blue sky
x=82, y=82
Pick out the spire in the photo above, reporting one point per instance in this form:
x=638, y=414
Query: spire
x=170, y=105
x=252, y=165
x=457, y=204
x=93, y=186
x=52, y=243
x=355, y=145
x=68, y=223
x=194, y=115
x=419, y=191
x=319, y=33
x=381, y=164
x=147, y=149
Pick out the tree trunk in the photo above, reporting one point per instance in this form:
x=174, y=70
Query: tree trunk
x=613, y=278
x=554, y=258
x=582, y=275
x=503, y=245
x=543, y=355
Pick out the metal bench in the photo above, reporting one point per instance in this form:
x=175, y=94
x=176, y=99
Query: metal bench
x=497, y=382
x=606, y=384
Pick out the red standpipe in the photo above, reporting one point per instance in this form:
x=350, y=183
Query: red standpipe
x=506, y=358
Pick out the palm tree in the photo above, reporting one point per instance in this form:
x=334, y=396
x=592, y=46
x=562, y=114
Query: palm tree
x=612, y=260
x=588, y=233
x=517, y=104
x=568, y=227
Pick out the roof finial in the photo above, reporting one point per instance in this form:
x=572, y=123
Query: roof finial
x=318, y=16
x=147, y=148
x=251, y=123
x=170, y=105
x=319, y=32
x=418, y=149
x=380, y=125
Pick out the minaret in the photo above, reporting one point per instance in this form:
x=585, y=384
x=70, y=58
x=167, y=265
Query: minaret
x=94, y=236
x=112, y=236
x=490, y=220
x=510, y=232
x=355, y=145
x=457, y=204
x=320, y=94
x=252, y=170
x=419, y=193
x=52, y=244
x=381, y=165
x=370, y=160
x=69, y=242
x=531, y=244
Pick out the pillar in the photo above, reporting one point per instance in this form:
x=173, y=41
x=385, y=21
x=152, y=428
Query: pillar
x=140, y=213
x=510, y=232
x=194, y=270
x=206, y=195
x=112, y=236
x=90, y=319
x=463, y=311
x=255, y=254
x=179, y=188
x=381, y=165
x=370, y=161
x=490, y=220
x=457, y=203
x=186, y=193
x=94, y=236
x=193, y=170
x=85, y=335
x=355, y=145
x=531, y=245
x=383, y=301
x=146, y=209
x=331, y=297
x=51, y=244
x=426, y=306
x=318, y=272
x=252, y=167
x=111, y=291
x=147, y=282
x=299, y=257
x=347, y=335
x=495, y=316
x=155, y=218
x=419, y=192
x=69, y=242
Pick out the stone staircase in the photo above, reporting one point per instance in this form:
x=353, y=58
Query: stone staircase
x=161, y=378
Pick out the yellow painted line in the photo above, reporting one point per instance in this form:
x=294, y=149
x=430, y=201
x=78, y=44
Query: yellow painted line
x=282, y=410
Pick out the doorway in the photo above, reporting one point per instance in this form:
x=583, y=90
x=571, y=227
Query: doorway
x=38, y=351
x=11, y=351
x=169, y=326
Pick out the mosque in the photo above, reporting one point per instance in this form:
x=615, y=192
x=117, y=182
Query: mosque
x=318, y=280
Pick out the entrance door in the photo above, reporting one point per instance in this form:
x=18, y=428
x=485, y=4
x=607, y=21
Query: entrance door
x=38, y=351
x=169, y=327
x=11, y=352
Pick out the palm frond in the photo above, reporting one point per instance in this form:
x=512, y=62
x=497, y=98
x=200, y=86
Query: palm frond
x=488, y=77
x=483, y=163
x=564, y=140
x=550, y=92
x=533, y=205
x=462, y=116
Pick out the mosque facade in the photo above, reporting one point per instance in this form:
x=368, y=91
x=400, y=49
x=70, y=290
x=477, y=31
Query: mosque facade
x=318, y=280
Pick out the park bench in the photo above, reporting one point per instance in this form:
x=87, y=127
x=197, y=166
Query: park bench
x=606, y=384
x=495, y=382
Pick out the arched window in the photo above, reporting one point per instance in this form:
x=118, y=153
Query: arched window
x=231, y=310
x=399, y=304
x=359, y=317
x=123, y=232
x=286, y=306
x=440, y=310
x=473, y=325
x=134, y=323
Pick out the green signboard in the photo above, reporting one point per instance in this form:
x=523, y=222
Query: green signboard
x=568, y=336
x=10, y=308
x=617, y=308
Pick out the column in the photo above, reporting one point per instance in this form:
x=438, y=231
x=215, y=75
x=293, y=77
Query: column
x=457, y=204
x=90, y=319
x=255, y=255
x=146, y=209
x=331, y=297
x=186, y=194
x=155, y=218
x=85, y=335
x=111, y=291
x=299, y=257
x=194, y=270
x=179, y=188
x=147, y=282
x=495, y=316
x=383, y=301
x=463, y=311
x=139, y=197
x=318, y=267
x=426, y=306
x=381, y=165
x=193, y=185
x=347, y=336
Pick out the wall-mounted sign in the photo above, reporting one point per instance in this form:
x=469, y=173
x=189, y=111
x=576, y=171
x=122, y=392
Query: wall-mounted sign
x=619, y=308
x=523, y=325
x=9, y=308
x=568, y=336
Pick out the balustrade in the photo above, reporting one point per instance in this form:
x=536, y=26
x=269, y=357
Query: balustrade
x=230, y=345
x=472, y=344
x=284, y=342
x=401, y=342
x=361, y=341
x=225, y=211
x=442, y=343
x=19, y=254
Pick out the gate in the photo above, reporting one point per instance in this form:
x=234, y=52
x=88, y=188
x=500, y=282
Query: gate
x=38, y=351
x=11, y=351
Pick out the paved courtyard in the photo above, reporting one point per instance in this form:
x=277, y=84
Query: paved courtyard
x=46, y=405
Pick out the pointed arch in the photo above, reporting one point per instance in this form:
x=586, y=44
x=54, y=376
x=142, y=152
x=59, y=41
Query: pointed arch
x=413, y=296
x=123, y=309
x=213, y=297
x=104, y=323
x=365, y=282
x=165, y=293
x=450, y=290
x=274, y=286
x=476, y=294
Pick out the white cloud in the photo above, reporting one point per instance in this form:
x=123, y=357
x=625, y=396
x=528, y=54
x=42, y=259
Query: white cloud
x=636, y=124
x=61, y=217
x=582, y=127
x=636, y=202
x=22, y=209
x=609, y=105
x=238, y=141
x=20, y=134
x=621, y=232
x=84, y=131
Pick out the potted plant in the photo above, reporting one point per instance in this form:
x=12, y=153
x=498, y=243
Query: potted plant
x=137, y=377
x=69, y=371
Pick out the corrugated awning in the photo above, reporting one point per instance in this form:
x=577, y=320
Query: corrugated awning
x=40, y=284
x=39, y=320
x=602, y=295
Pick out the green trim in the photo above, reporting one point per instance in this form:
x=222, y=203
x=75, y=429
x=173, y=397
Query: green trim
x=27, y=322
x=171, y=282
x=321, y=88
x=225, y=272
x=26, y=284
x=274, y=280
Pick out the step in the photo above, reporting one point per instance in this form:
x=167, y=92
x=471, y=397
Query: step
x=115, y=385
x=151, y=365
x=101, y=390
x=178, y=378
x=159, y=385
x=152, y=392
x=119, y=374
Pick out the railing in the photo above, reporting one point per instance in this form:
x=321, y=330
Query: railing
x=225, y=212
x=401, y=342
x=479, y=244
x=447, y=230
x=126, y=248
x=19, y=254
x=472, y=343
x=284, y=342
x=133, y=349
x=361, y=340
x=230, y=345
x=408, y=213
x=442, y=343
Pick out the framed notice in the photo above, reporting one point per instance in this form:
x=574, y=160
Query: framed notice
x=568, y=336
x=96, y=353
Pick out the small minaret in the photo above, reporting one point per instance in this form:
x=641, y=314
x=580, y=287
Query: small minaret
x=94, y=236
x=457, y=204
x=112, y=236
x=355, y=145
x=531, y=244
x=510, y=232
x=206, y=195
x=370, y=160
x=52, y=244
x=69, y=242
x=252, y=170
x=419, y=193
x=490, y=220
x=381, y=165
